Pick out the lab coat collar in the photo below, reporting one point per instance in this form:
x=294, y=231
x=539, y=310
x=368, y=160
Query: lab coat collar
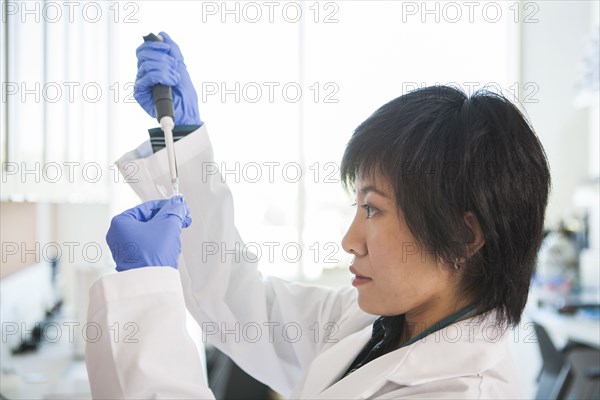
x=472, y=346
x=330, y=365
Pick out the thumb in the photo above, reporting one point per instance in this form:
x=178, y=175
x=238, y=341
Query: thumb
x=175, y=206
x=175, y=50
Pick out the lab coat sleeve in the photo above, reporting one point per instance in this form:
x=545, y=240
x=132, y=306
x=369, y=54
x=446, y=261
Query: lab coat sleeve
x=271, y=328
x=137, y=345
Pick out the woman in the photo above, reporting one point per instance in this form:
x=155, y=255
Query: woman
x=451, y=193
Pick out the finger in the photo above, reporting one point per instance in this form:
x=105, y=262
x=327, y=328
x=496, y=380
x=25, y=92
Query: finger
x=151, y=74
x=175, y=207
x=175, y=50
x=144, y=100
x=156, y=65
x=183, y=108
x=153, y=46
x=167, y=63
x=166, y=37
x=187, y=221
x=145, y=211
x=145, y=83
x=156, y=56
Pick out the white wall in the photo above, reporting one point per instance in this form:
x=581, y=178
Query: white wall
x=552, y=50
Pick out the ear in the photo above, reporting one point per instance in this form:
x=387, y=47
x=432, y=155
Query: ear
x=478, y=239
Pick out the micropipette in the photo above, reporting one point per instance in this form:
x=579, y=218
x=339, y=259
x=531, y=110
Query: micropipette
x=163, y=102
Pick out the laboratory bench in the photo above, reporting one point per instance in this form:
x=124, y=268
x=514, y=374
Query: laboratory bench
x=51, y=372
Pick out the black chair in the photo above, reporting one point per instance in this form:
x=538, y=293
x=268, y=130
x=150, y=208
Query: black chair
x=572, y=373
x=585, y=368
x=555, y=371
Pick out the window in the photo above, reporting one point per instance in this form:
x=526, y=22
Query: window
x=282, y=85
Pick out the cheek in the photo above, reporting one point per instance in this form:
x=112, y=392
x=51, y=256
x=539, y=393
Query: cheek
x=399, y=266
x=389, y=263
x=390, y=251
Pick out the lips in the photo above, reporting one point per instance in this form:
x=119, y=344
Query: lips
x=358, y=279
x=354, y=272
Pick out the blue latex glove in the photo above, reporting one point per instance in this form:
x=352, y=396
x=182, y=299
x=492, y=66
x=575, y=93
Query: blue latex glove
x=149, y=234
x=162, y=62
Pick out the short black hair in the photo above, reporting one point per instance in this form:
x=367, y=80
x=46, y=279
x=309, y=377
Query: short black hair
x=445, y=153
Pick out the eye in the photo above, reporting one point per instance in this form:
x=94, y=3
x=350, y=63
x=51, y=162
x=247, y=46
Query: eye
x=369, y=209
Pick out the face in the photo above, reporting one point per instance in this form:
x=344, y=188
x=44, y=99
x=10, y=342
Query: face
x=392, y=275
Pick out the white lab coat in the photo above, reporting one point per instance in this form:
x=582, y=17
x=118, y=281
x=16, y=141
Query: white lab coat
x=299, y=340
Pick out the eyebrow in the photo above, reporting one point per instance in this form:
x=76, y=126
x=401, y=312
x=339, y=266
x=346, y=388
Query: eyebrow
x=371, y=188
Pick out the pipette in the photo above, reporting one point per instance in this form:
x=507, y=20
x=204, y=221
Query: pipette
x=163, y=102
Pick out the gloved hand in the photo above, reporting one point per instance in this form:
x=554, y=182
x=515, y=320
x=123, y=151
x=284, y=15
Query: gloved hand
x=149, y=234
x=162, y=62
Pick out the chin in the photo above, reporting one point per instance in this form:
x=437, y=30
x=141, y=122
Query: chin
x=369, y=307
x=375, y=308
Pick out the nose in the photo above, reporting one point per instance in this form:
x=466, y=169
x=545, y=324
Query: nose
x=354, y=241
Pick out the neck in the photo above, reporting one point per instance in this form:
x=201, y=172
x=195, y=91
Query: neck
x=422, y=318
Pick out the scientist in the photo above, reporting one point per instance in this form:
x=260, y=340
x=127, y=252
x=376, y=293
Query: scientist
x=451, y=193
